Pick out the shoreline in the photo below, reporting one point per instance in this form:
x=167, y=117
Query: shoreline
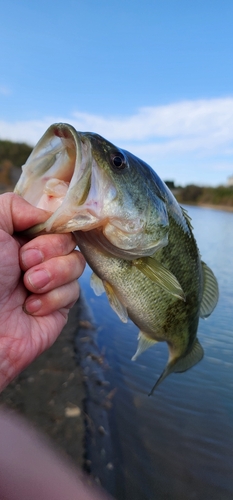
x=225, y=208
x=50, y=393
x=63, y=394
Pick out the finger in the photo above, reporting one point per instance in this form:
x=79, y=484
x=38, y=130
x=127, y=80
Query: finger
x=54, y=272
x=44, y=248
x=57, y=299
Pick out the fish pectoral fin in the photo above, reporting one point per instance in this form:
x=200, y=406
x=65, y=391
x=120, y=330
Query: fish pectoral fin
x=115, y=303
x=210, y=292
x=181, y=364
x=143, y=344
x=97, y=284
x=156, y=272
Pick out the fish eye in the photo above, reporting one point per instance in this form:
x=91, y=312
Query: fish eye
x=118, y=161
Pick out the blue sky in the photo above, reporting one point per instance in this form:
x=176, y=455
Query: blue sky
x=154, y=77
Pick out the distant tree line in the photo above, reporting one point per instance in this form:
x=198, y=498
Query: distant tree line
x=12, y=156
x=15, y=152
x=221, y=195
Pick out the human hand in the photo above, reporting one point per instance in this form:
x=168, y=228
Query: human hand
x=31, y=468
x=38, y=285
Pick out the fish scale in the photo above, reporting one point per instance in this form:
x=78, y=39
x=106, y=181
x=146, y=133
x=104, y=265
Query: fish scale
x=123, y=276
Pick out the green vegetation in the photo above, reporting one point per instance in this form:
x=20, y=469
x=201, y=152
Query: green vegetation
x=15, y=152
x=12, y=156
x=221, y=195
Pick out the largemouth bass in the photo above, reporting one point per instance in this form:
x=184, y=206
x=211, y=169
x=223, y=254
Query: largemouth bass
x=132, y=232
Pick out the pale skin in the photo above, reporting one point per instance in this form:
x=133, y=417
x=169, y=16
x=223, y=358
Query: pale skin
x=38, y=286
x=30, y=469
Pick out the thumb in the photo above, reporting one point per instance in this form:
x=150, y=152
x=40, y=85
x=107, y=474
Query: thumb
x=18, y=215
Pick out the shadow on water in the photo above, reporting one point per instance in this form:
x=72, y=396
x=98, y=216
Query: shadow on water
x=116, y=448
x=176, y=444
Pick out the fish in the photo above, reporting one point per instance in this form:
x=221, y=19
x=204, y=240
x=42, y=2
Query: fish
x=134, y=235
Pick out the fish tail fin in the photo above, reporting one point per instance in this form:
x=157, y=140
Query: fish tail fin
x=181, y=364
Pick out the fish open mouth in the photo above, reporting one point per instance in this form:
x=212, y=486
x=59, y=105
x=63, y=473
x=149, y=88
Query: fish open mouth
x=70, y=174
x=61, y=176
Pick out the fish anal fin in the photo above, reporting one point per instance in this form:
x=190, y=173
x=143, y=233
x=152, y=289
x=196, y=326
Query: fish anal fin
x=210, y=292
x=144, y=343
x=97, y=285
x=115, y=303
x=181, y=364
x=156, y=272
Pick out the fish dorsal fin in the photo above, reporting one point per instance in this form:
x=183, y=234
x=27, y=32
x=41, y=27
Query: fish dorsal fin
x=115, y=303
x=181, y=364
x=97, y=284
x=210, y=292
x=187, y=218
x=143, y=344
x=156, y=272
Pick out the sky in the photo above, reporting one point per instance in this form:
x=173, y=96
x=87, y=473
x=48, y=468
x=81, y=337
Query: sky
x=154, y=77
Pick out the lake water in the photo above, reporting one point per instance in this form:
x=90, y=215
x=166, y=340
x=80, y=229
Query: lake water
x=177, y=444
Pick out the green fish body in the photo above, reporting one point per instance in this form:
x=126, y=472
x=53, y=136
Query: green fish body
x=133, y=233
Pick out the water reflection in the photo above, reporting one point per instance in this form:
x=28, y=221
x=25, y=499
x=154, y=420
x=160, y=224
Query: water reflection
x=178, y=443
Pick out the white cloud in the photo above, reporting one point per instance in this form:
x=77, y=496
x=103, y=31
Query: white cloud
x=4, y=90
x=25, y=131
x=185, y=118
x=191, y=123
x=197, y=133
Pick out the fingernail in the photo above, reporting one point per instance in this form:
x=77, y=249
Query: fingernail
x=32, y=305
x=39, y=279
x=31, y=257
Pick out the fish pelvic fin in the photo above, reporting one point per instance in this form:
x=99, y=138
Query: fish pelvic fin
x=100, y=286
x=178, y=365
x=97, y=285
x=156, y=272
x=210, y=292
x=115, y=303
x=144, y=343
